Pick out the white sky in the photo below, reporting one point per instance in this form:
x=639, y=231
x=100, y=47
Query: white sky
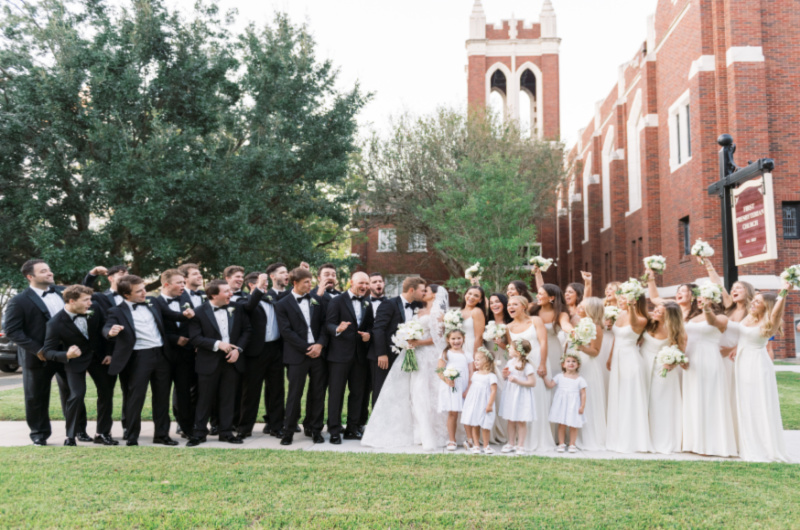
x=411, y=53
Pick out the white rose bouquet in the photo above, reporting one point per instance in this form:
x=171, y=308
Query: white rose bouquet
x=611, y=313
x=669, y=355
x=494, y=331
x=407, y=331
x=474, y=272
x=584, y=333
x=453, y=320
x=656, y=263
x=451, y=374
x=542, y=263
x=702, y=250
x=632, y=290
x=792, y=275
x=710, y=291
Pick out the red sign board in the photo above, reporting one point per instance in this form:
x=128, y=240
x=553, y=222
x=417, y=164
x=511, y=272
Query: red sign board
x=754, y=221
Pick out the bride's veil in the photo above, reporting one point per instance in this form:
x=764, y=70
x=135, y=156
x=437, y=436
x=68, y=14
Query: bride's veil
x=438, y=309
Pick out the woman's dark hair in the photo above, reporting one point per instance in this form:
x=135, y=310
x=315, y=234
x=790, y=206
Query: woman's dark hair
x=559, y=304
x=503, y=300
x=480, y=305
x=434, y=288
x=522, y=289
x=578, y=288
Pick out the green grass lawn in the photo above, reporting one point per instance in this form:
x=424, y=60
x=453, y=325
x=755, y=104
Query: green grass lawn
x=154, y=488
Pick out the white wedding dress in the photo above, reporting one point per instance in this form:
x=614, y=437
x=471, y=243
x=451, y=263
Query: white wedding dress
x=592, y=436
x=406, y=413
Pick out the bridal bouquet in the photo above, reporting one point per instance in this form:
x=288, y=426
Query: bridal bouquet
x=670, y=355
x=474, y=272
x=611, y=313
x=407, y=331
x=632, y=290
x=542, y=263
x=584, y=333
x=493, y=331
x=656, y=263
x=701, y=249
x=453, y=320
x=451, y=374
x=792, y=275
x=709, y=291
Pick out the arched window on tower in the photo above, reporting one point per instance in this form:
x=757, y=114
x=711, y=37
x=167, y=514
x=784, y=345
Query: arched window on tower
x=497, y=95
x=528, y=121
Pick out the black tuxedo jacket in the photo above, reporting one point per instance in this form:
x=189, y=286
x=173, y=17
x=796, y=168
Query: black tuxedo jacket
x=104, y=301
x=173, y=330
x=294, y=330
x=348, y=344
x=62, y=333
x=126, y=340
x=391, y=313
x=204, y=333
x=330, y=294
x=258, y=318
x=25, y=322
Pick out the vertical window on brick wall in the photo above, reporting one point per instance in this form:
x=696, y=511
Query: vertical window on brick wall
x=688, y=132
x=417, y=243
x=633, y=258
x=791, y=229
x=640, y=256
x=685, y=236
x=680, y=137
x=387, y=240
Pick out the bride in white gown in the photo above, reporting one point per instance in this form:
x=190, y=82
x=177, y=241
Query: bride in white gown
x=406, y=412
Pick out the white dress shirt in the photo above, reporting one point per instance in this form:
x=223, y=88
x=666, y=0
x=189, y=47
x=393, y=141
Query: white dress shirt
x=272, y=334
x=409, y=312
x=221, y=317
x=53, y=301
x=117, y=298
x=196, y=298
x=80, y=323
x=376, y=304
x=305, y=308
x=358, y=307
x=144, y=325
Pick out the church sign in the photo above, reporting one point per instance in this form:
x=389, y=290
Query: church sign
x=754, y=221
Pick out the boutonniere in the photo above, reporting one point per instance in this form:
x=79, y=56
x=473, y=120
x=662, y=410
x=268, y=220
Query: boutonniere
x=416, y=310
x=187, y=305
x=269, y=298
x=366, y=304
x=231, y=310
x=203, y=297
x=89, y=313
x=314, y=301
x=149, y=303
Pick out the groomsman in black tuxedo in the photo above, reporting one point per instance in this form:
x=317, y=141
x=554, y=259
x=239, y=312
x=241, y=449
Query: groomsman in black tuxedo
x=25, y=322
x=219, y=331
x=301, y=321
x=390, y=314
x=141, y=350
x=234, y=275
x=376, y=297
x=275, y=396
x=172, y=298
x=110, y=297
x=75, y=339
x=326, y=282
x=193, y=292
x=349, y=323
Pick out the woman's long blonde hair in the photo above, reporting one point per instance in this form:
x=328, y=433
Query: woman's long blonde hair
x=767, y=328
x=594, y=309
x=673, y=321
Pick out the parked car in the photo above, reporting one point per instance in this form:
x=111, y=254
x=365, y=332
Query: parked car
x=8, y=354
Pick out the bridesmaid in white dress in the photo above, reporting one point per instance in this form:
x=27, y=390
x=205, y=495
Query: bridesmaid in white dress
x=550, y=308
x=498, y=312
x=473, y=311
x=665, y=402
x=540, y=433
x=707, y=418
x=628, y=427
x=592, y=437
x=760, y=424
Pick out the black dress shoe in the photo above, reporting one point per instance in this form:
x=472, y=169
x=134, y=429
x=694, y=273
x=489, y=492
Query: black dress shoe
x=352, y=435
x=307, y=432
x=244, y=435
x=277, y=433
x=125, y=434
x=317, y=438
x=164, y=440
x=70, y=442
x=194, y=442
x=266, y=429
x=131, y=442
x=361, y=428
x=214, y=430
x=105, y=439
x=83, y=437
x=185, y=436
x=297, y=428
x=231, y=439
x=335, y=439
x=287, y=439
x=40, y=442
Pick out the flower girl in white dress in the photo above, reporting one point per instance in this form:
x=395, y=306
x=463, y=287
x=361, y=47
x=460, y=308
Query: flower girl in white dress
x=519, y=403
x=569, y=400
x=479, y=410
x=454, y=371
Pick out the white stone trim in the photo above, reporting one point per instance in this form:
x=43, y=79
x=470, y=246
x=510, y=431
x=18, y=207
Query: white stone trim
x=704, y=63
x=575, y=197
x=672, y=27
x=519, y=48
x=507, y=111
x=651, y=120
x=587, y=177
x=562, y=212
x=608, y=153
x=618, y=154
x=594, y=179
x=634, y=146
x=744, y=54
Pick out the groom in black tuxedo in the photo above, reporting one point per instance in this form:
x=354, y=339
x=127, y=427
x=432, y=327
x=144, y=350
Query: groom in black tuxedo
x=301, y=321
x=349, y=324
x=391, y=313
x=75, y=339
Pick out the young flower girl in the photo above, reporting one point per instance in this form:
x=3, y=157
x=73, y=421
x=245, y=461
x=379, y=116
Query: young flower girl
x=519, y=405
x=569, y=400
x=453, y=370
x=479, y=413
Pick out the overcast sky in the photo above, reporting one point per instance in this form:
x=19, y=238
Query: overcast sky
x=411, y=53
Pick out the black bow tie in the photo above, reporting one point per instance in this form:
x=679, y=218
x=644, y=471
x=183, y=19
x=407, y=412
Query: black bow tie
x=193, y=293
x=378, y=298
x=304, y=297
x=220, y=308
x=76, y=317
x=359, y=298
x=411, y=305
x=170, y=300
x=136, y=306
x=238, y=293
x=51, y=290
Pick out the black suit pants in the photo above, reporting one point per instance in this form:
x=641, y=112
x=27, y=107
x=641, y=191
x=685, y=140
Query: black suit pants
x=184, y=391
x=314, y=370
x=263, y=369
x=148, y=367
x=36, y=384
x=104, y=383
x=352, y=375
x=216, y=390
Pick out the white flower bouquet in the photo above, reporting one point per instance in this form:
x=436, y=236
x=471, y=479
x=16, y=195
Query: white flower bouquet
x=584, y=333
x=710, y=291
x=656, y=263
x=494, y=331
x=451, y=374
x=542, y=263
x=474, y=272
x=669, y=355
x=407, y=331
x=701, y=249
x=453, y=320
x=792, y=275
x=632, y=290
x=611, y=313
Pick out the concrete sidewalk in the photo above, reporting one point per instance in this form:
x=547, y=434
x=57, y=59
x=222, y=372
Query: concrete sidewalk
x=15, y=433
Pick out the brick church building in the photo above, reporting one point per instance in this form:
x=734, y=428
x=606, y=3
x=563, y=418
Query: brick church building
x=641, y=167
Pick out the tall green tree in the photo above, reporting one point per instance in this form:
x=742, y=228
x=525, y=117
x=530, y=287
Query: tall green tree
x=470, y=183
x=139, y=135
